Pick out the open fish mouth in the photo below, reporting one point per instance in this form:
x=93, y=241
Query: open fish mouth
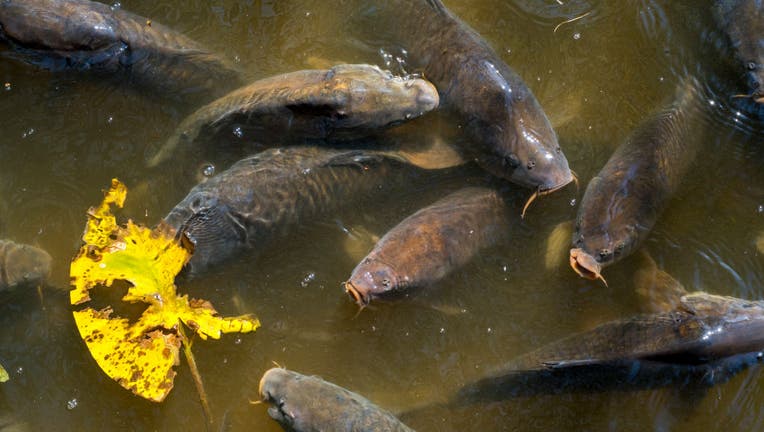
x=585, y=265
x=539, y=192
x=356, y=294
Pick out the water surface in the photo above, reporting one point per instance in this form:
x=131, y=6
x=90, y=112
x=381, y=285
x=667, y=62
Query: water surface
x=64, y=136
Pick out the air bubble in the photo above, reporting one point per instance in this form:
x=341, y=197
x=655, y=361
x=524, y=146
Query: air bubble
x=116, y=6
x=71, y=404
x=208, y=170
x=573, y=202
x=7, y=86
x=310, y=277
x=760, y=208
x=576, y=36
x=237, y=132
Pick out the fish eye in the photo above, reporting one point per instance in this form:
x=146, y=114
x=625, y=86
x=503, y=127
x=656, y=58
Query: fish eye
x=386, y=283
x=619, y=247
x=531, y=164
x=604, y=253
x=751, y=66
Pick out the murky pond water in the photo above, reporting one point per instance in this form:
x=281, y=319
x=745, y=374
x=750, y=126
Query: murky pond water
x=64, y=136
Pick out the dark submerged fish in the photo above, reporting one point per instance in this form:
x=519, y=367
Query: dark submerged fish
x=266, y=195
x=705, y=340
x=303, y=403
x=344, y=102
x=743, y=22
x=511, y=135
x=90, y=36
x=431, y=243
x=622, y=203
x=22, y=264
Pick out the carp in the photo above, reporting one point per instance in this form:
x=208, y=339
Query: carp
x=89, y=36
x=511, y=136
x=344, y=102
x=743, y=23
x=706, y=338
x=303, y=403
x=268, y=194
x=22, y=264
x=624, y=200
x=431, y=243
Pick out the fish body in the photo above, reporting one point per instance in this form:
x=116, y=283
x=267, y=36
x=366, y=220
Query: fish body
x=268, y=194
x=90, y=36
x=624, y=200
x=303, y=403
x=704, y=334
x=344, y=102
x=743, y=23
x=428, y=245
x=511, y=136
x=22, y=264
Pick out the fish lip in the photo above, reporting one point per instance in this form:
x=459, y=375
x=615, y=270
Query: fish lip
x=356, y=294
x=585, y=265
x=555, y=188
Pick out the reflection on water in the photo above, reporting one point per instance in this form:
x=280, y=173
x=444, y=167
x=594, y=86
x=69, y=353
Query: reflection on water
x=64, y=137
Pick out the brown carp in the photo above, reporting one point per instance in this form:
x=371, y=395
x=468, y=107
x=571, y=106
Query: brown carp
x=743, y=22
x=511, y=136
x=90, y=36
x=303, y=403
x=622, y=203
x=268, y=194
x=344, y=102
x=431, y=243
x=22, y=264
x=706, y=337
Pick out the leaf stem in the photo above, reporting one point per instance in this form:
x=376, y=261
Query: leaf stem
x=186, y=342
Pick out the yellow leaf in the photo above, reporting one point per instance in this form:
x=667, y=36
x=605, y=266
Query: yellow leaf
x=3, y=375
x=139, y=355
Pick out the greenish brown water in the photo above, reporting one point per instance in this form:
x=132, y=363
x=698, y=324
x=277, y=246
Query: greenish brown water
x=63, y=137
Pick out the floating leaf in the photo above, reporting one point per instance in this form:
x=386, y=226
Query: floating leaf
x=139, y=355
x=3, y=375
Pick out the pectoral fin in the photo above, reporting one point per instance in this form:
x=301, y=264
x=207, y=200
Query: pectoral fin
x=557, y=245
x=433, y=155
x=659, y=291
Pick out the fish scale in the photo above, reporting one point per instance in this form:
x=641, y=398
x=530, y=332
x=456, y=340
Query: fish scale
x=271, y=193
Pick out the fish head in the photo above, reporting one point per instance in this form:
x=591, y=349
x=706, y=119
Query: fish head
x=26, y=265
x=705, y=305
x=65, y=27
x=730, y=325
x=372, y=278
x=755, y=78
x=377, y=99
x=298, y=402
x=519, y=143
x=602, y=235
x=273, y=390
x=209, y=228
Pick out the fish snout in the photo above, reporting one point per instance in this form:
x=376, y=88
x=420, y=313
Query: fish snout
x=755, y=78
x=585, y=265
x=27, y=264
x=369, y=280
x=427, y=98
x=272, y=383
